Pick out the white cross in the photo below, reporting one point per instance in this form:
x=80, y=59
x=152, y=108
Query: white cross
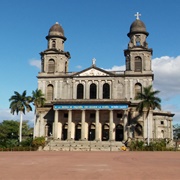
x=93, y=61
x=137, y=15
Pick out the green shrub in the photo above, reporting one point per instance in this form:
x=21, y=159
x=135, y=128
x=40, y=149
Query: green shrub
x=39, y=141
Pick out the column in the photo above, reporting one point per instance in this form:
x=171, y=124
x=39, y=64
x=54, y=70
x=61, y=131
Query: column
x=74, y=90
x=125, y=124
x=83, y=125
x=55, y=124
x=100, y=90
x=97, y=125
x=69, y=124
x=87, y=89
x=111, y=136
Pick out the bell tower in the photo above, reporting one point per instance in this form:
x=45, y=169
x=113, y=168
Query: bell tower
x=54, y=60
x=138, y=55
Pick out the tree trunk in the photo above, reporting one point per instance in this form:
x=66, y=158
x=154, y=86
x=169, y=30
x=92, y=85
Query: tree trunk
x=20, y=127
x=148, y=130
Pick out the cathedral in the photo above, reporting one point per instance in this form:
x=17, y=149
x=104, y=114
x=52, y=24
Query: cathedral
x=95, y=104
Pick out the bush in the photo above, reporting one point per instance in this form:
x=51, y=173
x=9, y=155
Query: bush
x=39, y=141
x=158, y=145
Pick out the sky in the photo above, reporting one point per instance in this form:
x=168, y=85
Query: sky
x=94, y=29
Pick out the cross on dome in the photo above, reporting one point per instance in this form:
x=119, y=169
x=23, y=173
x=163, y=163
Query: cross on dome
x=137, y=15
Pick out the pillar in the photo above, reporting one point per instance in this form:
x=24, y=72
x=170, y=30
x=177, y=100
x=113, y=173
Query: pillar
x=97, y=125
x=111, y=132
x=125, y=124
x=55, y=125
x=69, y=124
x=83, y=125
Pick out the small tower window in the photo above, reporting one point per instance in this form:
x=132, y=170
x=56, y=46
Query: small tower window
x=138, y=43
x=50, y=94
x=53, y=44
x=51, y=66
x=137, y=89
x=138, y=64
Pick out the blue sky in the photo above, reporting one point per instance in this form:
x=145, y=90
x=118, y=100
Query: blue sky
x=94, y=29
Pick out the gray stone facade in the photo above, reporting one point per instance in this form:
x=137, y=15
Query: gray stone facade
x=95, y=104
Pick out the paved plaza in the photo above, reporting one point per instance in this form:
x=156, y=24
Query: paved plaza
x=89, y=165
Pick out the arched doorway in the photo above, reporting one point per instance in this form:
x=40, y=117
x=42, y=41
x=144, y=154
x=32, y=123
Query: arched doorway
x=91, y=134
x=78, y=132
x=105, y=132
x=119, y=132
x=64, y=132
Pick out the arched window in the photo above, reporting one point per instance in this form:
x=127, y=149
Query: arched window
x=106, y=91
x=80, y=91
x=138, y=64
x=138, y=130
x=51, y=66
x=53, y=44
x=50, y=91
x=137, y=89
x=93, y=91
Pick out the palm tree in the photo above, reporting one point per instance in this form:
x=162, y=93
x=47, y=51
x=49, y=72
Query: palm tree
x=38, y=101
x=148, y=101
x=20, y=103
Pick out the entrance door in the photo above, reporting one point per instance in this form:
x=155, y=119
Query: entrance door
x=64, y=132
x=78, y=132
x=105, y=132
x=91, y=134
x=119, y=132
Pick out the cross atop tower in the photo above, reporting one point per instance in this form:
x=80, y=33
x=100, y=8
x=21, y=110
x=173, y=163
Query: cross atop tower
x=137, y=15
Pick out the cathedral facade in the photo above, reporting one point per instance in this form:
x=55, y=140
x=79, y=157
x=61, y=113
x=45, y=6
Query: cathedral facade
x=95, y=104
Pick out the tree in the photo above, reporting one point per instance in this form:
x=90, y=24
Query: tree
x=148, y=101
x=38, y=101
x=20, y=103
x=9, y=132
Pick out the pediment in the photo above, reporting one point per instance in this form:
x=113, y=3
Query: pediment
x=93, y=72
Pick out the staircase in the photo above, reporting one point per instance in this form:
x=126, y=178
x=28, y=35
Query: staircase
x=58, y=145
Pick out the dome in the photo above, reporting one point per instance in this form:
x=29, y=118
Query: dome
x=138, y=27
x=56, y=30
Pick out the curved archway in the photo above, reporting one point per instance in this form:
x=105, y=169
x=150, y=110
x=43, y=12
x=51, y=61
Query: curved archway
x=105, y=132
x=78, y=132
x=91, y=134
x=119, y=132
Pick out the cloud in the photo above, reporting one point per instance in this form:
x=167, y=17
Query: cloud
x=79, y=67
x=6, y=115
x=116, y=68
x=167, y=75
x=36, y=63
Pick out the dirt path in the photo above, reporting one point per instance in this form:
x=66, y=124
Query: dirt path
x=89, y=165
